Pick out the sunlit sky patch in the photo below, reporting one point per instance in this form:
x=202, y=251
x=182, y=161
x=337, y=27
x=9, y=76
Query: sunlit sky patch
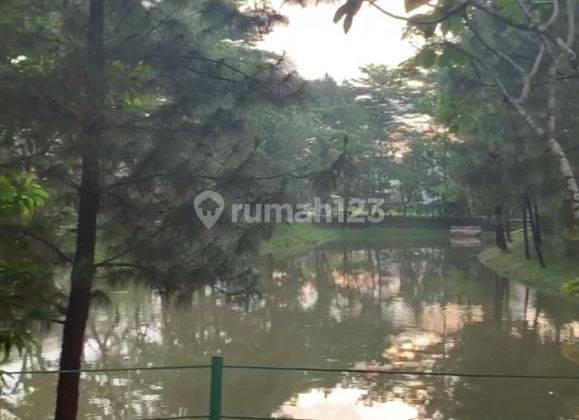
x=317, y=46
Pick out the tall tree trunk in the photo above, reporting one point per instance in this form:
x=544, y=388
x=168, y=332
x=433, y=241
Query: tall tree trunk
x=526, y=231
x=536, y=243
x=565, y=167
x=79, y=297
x=566, y=171
x=500, y=238
x=538, y=222
x=568, y=176
x=88, y=208
x=508, y=226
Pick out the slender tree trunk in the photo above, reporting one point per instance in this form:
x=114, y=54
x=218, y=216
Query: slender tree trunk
x=568, y=176
x=538, y=222
x=500, y=239
x=549, y=136
x=526, y=232
x=508, y=226
x=536, y=243
x=565, y=167
x=88, y=208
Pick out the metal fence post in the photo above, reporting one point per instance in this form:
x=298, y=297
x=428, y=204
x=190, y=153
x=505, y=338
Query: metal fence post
x=216, y=388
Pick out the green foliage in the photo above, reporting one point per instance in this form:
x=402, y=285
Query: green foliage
x=450, y=56
x=184, y=87
x=18, y=274
x=453, y=25
x=572, y=287
x=27, y=297
x=15, y=338
x=494, y=158
x=511, y=9
x=421, y=24
x=20, y=195
x=426, y=58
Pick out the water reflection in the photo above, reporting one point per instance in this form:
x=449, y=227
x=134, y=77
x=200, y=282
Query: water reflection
x=358, y=307
x=345, y=404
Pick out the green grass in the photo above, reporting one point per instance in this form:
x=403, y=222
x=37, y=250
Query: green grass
x=559, y=271
x=299, y=238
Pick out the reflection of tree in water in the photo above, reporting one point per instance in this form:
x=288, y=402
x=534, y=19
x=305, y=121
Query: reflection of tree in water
x=377, y=308
x=485, y=303
x=30, y=304
x=503, y=350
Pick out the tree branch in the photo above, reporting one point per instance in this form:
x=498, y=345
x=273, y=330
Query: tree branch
x=61, y=255
x=451, y=12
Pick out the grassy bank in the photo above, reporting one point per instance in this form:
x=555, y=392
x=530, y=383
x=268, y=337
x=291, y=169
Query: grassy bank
x=299, y=238
x=559, y=271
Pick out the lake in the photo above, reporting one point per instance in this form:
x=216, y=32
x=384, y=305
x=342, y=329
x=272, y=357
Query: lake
x=354, y=306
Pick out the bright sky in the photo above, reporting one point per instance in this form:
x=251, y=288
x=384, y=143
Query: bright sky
x=316, y=45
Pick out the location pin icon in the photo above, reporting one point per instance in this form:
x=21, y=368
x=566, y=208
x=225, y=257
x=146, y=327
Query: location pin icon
x=209, y=205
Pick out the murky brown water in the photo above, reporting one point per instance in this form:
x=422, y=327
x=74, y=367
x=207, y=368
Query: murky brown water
x=358, y=307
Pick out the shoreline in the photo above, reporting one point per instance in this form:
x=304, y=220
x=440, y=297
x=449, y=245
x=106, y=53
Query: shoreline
x=290, y=240
x=560, y=270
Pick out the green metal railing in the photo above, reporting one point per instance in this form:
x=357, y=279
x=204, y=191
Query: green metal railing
x=218, y=366
x=215, y=395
